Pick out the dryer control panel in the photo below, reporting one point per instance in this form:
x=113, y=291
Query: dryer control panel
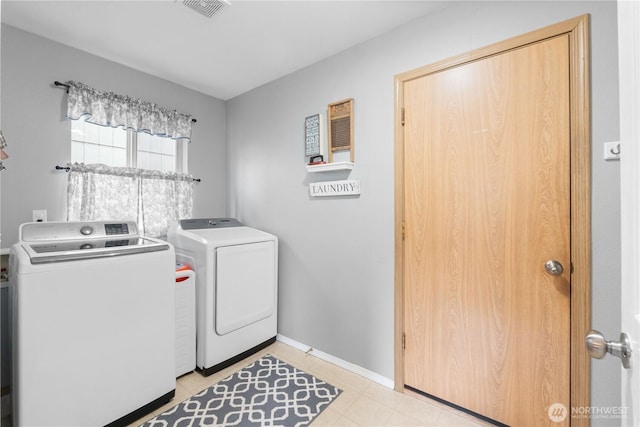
x=201, y=223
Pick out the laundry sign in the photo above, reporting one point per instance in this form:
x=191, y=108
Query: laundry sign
x=348, y=187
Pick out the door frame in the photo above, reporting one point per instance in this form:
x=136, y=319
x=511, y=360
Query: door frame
x=580, y=165
x=629, y=68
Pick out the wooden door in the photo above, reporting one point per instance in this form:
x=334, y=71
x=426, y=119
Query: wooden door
x=486, y=204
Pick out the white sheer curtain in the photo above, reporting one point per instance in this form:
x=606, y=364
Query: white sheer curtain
x=3, y=154
x=110, y=109
x=155, y=200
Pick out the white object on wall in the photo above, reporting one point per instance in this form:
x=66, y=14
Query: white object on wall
x=612, y=150
x=348, y=187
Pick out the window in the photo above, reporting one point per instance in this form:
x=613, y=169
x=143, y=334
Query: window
x=156, y=153
x=118, y=147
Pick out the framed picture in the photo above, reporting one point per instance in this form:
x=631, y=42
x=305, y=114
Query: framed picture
x=313, y=135
x=341, y=128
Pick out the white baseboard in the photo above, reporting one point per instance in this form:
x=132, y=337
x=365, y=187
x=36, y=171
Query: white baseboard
x=359, y=370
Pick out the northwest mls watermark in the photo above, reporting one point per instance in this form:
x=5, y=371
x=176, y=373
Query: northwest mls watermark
x=558, y=412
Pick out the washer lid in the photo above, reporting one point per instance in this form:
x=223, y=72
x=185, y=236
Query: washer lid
x=59, y=251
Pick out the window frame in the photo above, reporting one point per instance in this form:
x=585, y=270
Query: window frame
x=180, y=159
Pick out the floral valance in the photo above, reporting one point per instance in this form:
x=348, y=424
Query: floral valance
x=110, y=109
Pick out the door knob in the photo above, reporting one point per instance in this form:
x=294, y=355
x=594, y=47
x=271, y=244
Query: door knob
x=553, y=267
x=598, y=347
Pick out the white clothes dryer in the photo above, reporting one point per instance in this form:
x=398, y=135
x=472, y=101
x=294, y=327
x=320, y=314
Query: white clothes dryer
x=236, y=288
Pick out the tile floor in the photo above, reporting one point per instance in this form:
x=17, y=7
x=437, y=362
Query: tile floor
x=361, y=403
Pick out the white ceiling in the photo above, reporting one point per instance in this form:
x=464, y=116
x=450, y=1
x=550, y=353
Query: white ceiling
x=243, y=46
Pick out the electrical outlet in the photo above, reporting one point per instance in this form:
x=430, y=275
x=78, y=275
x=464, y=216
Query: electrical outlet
x=39, y=215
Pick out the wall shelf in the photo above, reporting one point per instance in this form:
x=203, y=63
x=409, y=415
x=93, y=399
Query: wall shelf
x=329, y=167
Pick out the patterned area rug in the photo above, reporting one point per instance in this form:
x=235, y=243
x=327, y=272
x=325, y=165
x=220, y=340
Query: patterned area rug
x=269, y=392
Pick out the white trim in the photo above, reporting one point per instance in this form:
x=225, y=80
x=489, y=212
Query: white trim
x=182, y=156
x=370, y=375
x=132, y=149
x=629, y=70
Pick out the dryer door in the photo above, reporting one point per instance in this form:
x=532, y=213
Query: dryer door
x=245, y=285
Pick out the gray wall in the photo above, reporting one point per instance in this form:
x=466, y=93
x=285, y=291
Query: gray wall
x=39, y=136
x=337, y=255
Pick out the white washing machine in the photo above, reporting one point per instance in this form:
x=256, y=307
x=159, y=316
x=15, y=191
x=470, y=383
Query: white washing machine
x=236, y=271
x=94, y=324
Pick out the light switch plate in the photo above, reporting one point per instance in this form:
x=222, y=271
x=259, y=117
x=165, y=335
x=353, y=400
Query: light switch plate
x=612, y=150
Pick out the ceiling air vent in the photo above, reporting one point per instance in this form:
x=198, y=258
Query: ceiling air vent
x=207, y=8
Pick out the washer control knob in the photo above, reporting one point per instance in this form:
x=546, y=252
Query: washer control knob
x=86, y=230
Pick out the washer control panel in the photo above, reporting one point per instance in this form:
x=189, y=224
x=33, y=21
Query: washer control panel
x=47, y=231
